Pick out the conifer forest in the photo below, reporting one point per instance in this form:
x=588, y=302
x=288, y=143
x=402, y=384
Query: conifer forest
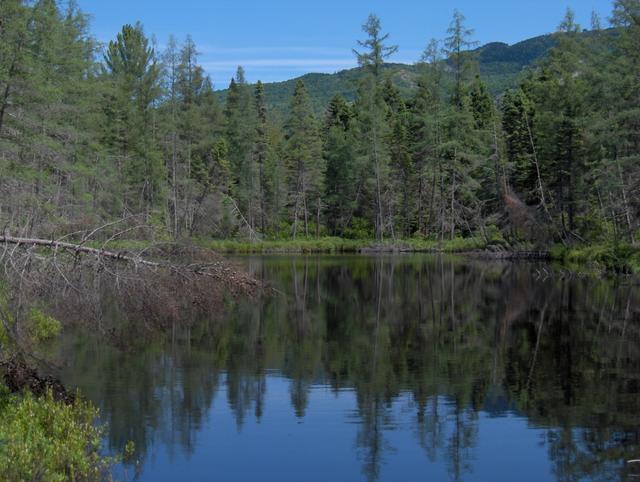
x=90, y=133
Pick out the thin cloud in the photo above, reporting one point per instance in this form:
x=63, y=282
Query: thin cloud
x=279, y=63
x=286, y=63
x=208, y=50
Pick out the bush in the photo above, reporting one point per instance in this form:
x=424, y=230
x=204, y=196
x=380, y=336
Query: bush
x=42, y=439
x=42, y=327
x=359, y=228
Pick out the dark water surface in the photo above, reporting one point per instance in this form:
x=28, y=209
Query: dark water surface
x=389, y=368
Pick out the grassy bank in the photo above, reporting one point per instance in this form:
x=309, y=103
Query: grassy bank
x=598, y=258
x=609, y=258
x=341, y=245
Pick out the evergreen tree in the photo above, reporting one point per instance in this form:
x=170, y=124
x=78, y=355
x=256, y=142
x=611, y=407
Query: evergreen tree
x=14, y=53
x=240, y=118
x=457, y=45
x=376, y=51
x=559, y=94
x=339, y=153
x=305, y=163
x=401, y=161
x=481, y=104
x=517, y=119
x=462, y=143
x=373, y=128
x=260, y=152
x=131, y=67
x=426, y=136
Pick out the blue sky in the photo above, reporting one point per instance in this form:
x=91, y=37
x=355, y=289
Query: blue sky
x=280, y=39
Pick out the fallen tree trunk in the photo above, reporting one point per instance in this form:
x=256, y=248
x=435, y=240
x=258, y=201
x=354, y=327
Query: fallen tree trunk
x=76, y=248
x=205, y=267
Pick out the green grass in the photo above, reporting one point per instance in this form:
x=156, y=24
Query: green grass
x=340, y=245
x=608, y=257
x=621, y=258
x=132, y=245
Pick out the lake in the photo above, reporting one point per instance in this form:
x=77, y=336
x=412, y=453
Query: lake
x=379, y=368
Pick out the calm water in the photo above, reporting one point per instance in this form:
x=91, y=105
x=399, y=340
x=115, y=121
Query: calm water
x=390, y=368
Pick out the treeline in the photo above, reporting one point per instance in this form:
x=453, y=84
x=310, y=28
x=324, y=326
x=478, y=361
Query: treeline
x=89, y=134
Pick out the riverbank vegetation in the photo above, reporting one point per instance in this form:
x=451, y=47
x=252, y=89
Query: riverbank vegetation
x=91, y=133
x=342, y=245
x=45, y=439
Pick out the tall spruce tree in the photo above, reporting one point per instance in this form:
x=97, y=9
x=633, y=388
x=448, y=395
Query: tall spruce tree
x=260, y=152
x=373, y=128
x=240, y=119
x=133, y=72
x=457, y=46
x=426, y=136
x=305, y=163
x=558, y=91
x=341, y=192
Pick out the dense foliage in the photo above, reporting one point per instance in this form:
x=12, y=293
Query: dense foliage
x=42, y=439
x=91, y=134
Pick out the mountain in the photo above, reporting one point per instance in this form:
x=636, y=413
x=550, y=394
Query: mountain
x=500, y=66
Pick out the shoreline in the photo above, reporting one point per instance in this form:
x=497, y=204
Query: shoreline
x=599, y=258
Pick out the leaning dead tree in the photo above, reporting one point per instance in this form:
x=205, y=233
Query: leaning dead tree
x=125, y=296
x=75, y=248
x=217, y=268
x=122, y=294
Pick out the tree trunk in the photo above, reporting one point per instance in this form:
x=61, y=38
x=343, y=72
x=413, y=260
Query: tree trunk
x=627, y=213
x=77, y=248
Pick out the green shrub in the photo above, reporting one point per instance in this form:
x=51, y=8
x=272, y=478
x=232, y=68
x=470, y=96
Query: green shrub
x=42, y=439
x=359, y=228
x=42, y=327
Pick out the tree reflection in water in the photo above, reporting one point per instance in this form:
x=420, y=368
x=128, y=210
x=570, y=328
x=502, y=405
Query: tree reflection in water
x=431, y=340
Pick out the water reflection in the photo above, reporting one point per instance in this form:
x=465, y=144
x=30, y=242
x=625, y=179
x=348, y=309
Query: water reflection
x=424, y=364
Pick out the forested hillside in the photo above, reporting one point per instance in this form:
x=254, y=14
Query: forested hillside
x=499, y=64
x=90, y=134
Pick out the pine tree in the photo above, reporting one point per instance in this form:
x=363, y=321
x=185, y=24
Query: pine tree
x=376, y=51
x=401, y=162
x=373, y=129
x=517, y=122
x=426, y=137
x=457, y=45
x=558, y=92
x=130, y=65
x=240, y=119
x=340, y=195
x=305, y=163
x=260, y=152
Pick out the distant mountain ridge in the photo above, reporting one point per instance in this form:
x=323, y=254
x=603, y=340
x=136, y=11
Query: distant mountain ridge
x=500, y=65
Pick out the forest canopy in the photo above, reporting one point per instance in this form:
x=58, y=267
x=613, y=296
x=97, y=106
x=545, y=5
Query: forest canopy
x=90, y=133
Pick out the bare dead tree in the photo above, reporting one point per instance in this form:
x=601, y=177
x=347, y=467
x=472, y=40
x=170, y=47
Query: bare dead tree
x=152, y=289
